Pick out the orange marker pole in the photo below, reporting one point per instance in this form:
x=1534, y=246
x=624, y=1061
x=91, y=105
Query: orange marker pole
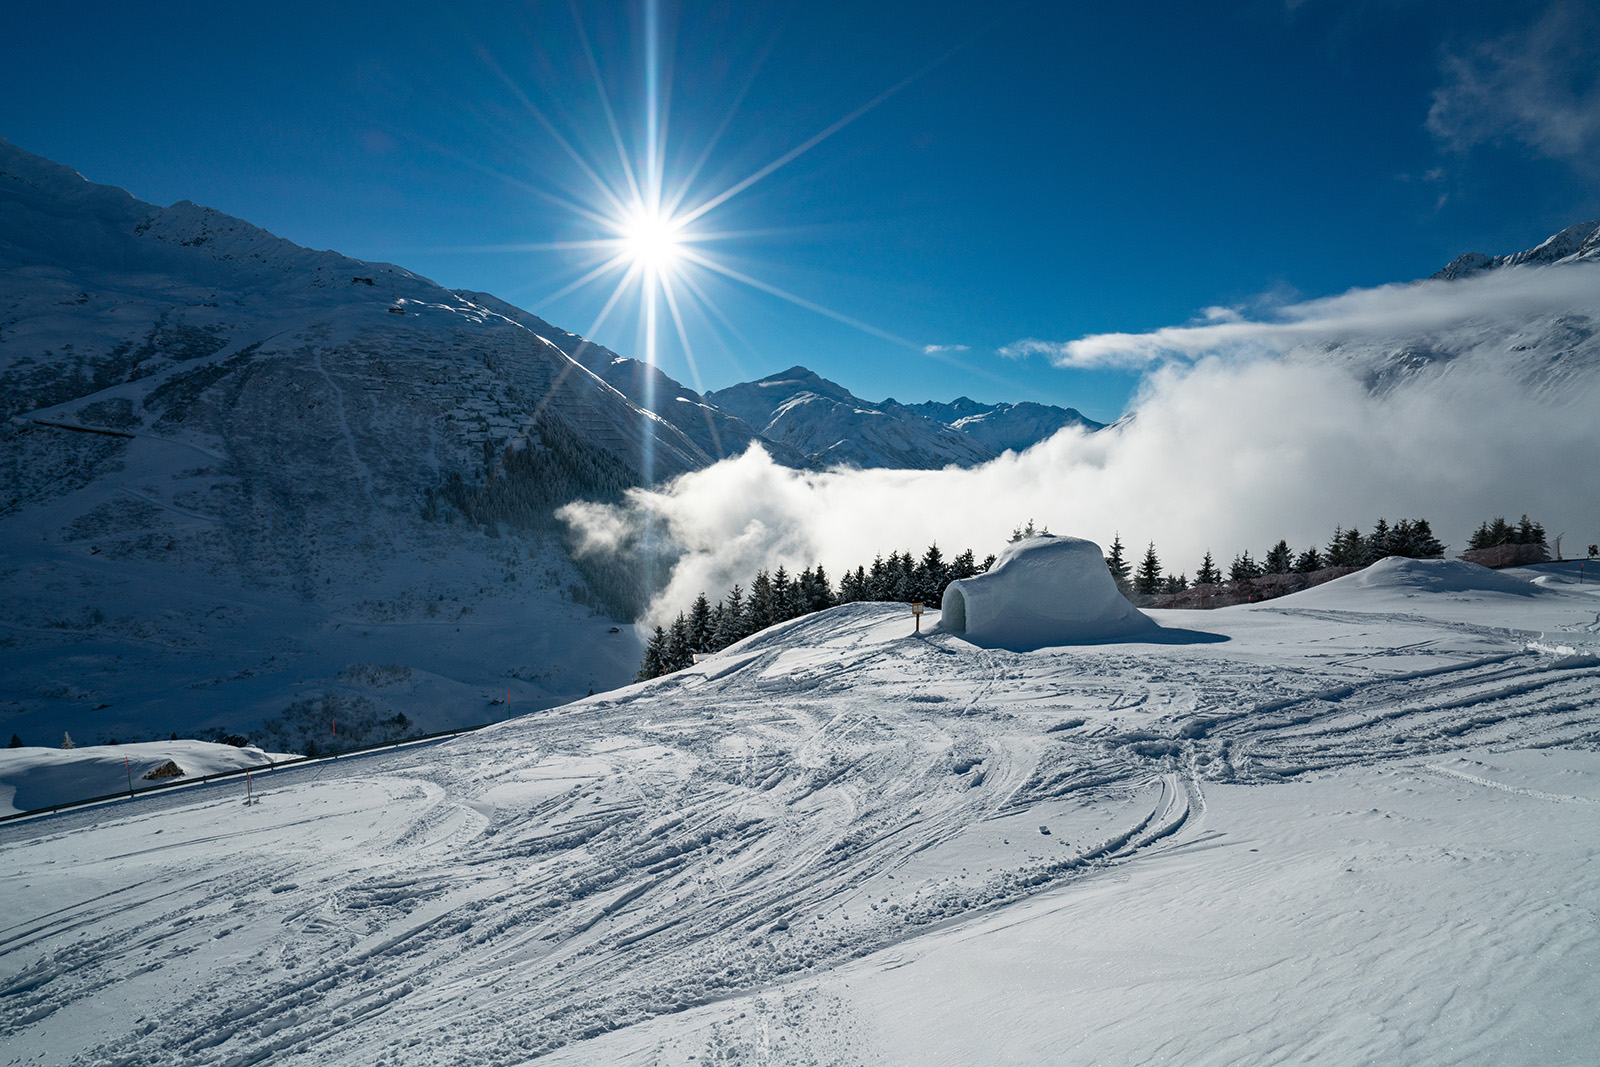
x=129, y=768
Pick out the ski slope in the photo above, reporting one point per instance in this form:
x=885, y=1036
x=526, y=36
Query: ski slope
x=1354, y=825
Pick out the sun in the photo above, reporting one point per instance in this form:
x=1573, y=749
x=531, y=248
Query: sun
x=652, y=240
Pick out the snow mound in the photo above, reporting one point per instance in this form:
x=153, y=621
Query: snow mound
x=33, y=778
x=1434, y=576
x=1042, y=591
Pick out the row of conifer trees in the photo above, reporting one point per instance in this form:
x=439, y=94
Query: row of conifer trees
x=1412, y=538
x=779, y=596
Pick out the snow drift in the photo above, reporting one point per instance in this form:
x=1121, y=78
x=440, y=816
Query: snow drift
x=1042, y=591
x=1408, y=576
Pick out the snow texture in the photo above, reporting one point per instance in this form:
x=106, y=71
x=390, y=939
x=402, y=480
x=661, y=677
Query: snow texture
x=1357, y=832
x=1041, y=591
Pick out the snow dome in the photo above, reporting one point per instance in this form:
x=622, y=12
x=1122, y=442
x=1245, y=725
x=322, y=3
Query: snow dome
x=1042, y=591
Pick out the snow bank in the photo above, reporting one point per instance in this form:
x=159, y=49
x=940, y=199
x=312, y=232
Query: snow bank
x=32, y=778
x=1397, y=574
x=1042, y=591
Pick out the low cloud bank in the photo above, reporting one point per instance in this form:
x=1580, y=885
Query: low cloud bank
x=1230, y=451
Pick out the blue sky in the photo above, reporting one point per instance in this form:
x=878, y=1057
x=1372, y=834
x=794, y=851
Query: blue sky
x=1048, y=170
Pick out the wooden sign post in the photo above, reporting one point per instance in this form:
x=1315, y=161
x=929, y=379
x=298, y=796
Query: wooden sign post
x=916, y=609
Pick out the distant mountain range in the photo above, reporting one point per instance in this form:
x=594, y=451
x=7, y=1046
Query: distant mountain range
x=828, y=425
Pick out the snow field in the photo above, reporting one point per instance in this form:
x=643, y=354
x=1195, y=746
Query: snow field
x=838, y=830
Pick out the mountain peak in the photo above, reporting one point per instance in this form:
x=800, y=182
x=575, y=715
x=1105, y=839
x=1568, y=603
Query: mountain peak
x=1580, y=241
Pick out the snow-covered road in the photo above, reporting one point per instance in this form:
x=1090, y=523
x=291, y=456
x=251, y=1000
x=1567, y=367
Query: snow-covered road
x=1352, y=826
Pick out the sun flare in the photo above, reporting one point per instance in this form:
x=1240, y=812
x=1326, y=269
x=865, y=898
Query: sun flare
x=652, y=240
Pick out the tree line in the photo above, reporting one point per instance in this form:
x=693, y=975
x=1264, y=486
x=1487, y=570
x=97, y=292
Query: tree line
x=1412, y=538
x=779, y=596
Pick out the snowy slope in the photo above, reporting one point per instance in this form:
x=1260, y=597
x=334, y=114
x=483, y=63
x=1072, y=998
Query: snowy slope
x=718, y=433
x=831, y=427
x=1345, y=828
x=219, y=452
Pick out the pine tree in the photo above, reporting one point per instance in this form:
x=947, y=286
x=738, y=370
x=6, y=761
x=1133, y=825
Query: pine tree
x=1424, y=544
x=759, y=608
x=66, y=740
x=1244, y=568
x=1347, y=549
x=1148, y=580
x=678, y=654
x=988, y=563
x=933, y=574
x=16, y=742
x=963, y=566
x=903, y=582
x=1175, y=583
x=1377, y=544
x=732, y=626
x=1279, y=559
x=1308, y=561
x=877, y=580
x=1208, y=573
x=781, y=595
x=700, y=631
x=1119, y=566
x=821, y=595
x=653, y=664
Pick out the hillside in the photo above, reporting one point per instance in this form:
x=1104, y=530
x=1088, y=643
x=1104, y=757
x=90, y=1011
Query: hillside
x=1357, y=818
x=235, y=472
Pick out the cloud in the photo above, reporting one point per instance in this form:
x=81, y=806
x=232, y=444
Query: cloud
x=1539, y=86
x=1028, y=346
x=929, y=350
x=1291, y=431
x=1369, y=315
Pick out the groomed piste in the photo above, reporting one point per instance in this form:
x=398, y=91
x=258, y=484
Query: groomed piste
x=1042, y=591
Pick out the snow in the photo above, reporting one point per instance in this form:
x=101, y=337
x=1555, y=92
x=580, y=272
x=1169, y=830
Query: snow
x=32, y=778
x=247, y=543
x=1043, y=590
x=1353, y=828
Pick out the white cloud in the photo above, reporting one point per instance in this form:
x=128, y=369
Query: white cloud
x=1540, y=86
x=1358, y=315
x=1229, y=451
x=1028, y=346
x=929, y=350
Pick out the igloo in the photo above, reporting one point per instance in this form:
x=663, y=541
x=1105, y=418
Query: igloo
x=1042, y=591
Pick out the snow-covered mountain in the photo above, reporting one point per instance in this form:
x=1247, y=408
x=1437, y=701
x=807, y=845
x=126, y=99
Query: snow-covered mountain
x=228, y=472
x=1525, y=319
x=1577, y=243
x=718, y=433
x=830, y=426
x=1005, y=426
